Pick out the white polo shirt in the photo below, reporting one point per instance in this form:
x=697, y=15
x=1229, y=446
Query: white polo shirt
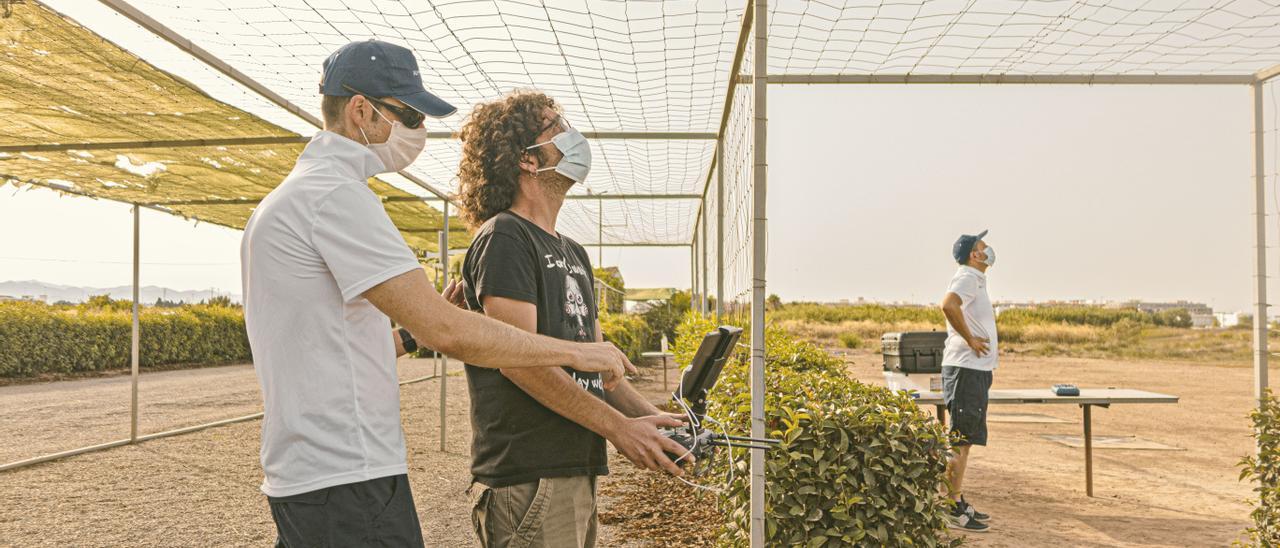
x=971, y=285
x=323, y=354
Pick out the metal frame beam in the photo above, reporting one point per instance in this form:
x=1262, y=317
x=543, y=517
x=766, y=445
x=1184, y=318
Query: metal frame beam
x=444, y=360
x=739, y=52
x=173, y=37
x=607, y=197
x=385, y=199
x=135, y=333
x=636, y=244
x=616, y=135
x=720, y=298
x=759, y=262
x=1260, y=243
x=1267, y=73
x=1084, y=79
x=175, y=143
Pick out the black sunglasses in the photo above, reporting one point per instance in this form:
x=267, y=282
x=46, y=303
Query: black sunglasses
x=411, y=118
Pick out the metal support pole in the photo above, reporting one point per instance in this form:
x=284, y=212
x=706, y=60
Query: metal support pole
x=759, y=241
x=720, y=299
x=703, y=255
x=1088, y=450
x=133, y=344
x=600, y=234
x=696, y=294
x=693, y=273
x=1260, y=243
x=444, y=360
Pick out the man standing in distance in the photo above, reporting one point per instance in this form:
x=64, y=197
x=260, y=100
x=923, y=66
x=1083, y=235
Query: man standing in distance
x=322, y=270
x=967, y=364
x=538, y=436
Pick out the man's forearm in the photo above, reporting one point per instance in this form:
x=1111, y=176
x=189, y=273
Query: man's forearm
x=411, y=301
x=557, y=391
x=480, y=340
x=956, y=317
x=626, y=399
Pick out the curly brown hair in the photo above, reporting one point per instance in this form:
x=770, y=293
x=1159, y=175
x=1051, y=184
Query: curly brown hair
x=494, y=138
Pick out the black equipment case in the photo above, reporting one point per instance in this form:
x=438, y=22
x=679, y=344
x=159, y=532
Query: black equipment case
x=914, y=352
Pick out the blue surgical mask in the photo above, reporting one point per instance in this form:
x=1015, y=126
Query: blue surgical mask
x=991, y=256
x=576, y=160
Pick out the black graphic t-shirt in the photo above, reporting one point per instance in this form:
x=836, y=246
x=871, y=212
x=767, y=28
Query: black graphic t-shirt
x=516, y=439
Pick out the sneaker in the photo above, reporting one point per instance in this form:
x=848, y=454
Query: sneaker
x=961, y=519
x=973, y=512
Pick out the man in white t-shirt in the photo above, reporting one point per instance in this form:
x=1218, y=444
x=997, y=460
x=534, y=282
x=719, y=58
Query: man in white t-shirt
x=967, y=363
x=324, y=273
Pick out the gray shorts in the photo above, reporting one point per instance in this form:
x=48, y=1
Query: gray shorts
x=965, y=392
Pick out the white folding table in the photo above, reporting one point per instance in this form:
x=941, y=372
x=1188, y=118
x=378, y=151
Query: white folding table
x=1089, y=397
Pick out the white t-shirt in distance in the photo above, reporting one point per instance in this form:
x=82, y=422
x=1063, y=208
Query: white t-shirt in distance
x=971, y=285
x=323, y=354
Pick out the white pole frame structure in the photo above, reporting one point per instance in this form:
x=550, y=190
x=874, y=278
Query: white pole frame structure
x=755, y=13
x=1254, y=81
x=135, y=335
x=444, y=360
x=759, y=241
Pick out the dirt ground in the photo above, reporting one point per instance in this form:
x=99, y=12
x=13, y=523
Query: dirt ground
x=1035, y=489
x=201, y=489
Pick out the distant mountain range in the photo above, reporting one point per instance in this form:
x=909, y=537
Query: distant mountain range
x=148, y=294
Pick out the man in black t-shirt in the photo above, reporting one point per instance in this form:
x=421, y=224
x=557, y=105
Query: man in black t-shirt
x=538, y=435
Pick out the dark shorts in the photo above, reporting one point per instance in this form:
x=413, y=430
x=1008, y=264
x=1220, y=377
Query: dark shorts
x=965, y=393
x=376, y=512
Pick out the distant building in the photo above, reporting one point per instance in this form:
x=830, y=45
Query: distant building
x=1227, y=319
x=1152, y=308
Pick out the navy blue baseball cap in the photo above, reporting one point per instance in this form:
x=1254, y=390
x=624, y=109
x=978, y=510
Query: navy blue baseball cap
x=380, y=69
x=964, y=246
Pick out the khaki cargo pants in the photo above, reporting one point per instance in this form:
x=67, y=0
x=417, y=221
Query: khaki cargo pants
x=550, y=513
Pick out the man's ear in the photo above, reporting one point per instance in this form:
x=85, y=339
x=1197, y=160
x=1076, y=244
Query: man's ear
x=528, y=162
x=356, y=110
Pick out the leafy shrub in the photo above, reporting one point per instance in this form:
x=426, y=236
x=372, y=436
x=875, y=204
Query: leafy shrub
x=851, y=340
x=37, y=338
x=688, y=336
x=665, y=317
x=1263, y=468
x=629, y=332
x=858, y=465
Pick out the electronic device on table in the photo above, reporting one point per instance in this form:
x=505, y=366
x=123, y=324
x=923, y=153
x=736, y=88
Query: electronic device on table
x=691, y=395
x=1066, y=390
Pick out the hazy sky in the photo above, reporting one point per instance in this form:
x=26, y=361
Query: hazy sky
x=1089, y=192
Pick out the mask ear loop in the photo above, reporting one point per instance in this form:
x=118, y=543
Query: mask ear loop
x=534, y=173
x=362, y=133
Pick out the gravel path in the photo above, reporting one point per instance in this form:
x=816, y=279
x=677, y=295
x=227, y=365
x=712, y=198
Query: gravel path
x=199, y=489
x=58, y=416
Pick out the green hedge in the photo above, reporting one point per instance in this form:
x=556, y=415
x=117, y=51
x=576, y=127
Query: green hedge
x=36, y=338
x=629, y=332
x=1263, y=469
x=1070, y=315
x=858, y=464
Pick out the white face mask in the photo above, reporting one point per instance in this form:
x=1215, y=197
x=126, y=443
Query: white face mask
x=991, y=256
x=575, y=162
x=402, y=147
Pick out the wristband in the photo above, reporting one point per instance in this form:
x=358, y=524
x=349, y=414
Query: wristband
x=406, y=339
